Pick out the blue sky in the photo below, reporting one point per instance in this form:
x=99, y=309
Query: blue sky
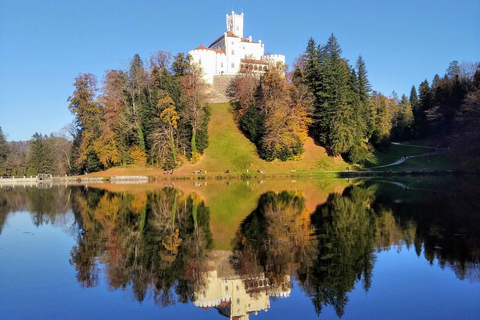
x=45, y=44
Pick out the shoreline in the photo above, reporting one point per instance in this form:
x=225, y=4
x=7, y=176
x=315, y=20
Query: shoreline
x=137, y=179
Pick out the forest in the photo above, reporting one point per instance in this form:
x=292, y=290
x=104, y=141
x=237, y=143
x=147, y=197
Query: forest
x=155, y=113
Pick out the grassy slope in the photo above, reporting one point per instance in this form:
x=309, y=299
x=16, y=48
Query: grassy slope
x=395, y=152
x=230, y=150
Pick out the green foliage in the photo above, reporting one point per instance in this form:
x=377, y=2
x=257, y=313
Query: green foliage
x=40, y=155
x=356, y=154
x=3, y=148
x=342, y=113
x=251, y=124
x=31, y=172
x=202, y=134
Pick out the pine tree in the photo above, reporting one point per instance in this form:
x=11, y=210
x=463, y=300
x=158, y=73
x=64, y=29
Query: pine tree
x=3, y=149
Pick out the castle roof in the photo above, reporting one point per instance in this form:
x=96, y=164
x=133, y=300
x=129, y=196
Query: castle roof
x=229, y=34
x=202, y=47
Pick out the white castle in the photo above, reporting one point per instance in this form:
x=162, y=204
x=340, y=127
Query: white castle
x=231, y=52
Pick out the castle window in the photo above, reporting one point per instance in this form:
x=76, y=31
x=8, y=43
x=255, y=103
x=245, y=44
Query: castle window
x=221, y=65
x=233, y=52
x=233, y=65
x=199, y=60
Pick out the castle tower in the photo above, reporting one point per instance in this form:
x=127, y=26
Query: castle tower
x=235, y=24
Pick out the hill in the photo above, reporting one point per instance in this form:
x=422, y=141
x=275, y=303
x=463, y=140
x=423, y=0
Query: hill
x=230, y=150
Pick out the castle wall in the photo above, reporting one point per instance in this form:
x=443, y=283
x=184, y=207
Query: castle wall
x=221, y=84
x=207, y=60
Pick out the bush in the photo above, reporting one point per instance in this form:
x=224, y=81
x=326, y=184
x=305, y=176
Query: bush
x=195, y=157
x=31, y=172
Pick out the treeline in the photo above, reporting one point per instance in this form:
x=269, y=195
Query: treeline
x=153, y=114
x=332, y=102
x=324, y=98
x=448, y=110
x=42, y=154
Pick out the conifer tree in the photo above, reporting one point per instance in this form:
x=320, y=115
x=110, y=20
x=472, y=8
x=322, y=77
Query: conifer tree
x=3, y=148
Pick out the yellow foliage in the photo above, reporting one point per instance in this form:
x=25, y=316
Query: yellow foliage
x=138, y=156
x=106, y=211
x=138, y=203
x=171, y=243
x=196, y=200
x=106, y=150
x=195, y=157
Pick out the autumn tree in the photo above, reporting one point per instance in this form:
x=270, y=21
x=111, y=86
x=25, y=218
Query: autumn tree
x=88, y=116
x=195, y=110
x=278, y=117
x=169, y=117
x=109, y=145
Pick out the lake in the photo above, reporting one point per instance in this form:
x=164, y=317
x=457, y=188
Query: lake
x=403, y=248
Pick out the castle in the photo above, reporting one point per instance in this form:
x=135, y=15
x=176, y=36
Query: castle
x=231, y=53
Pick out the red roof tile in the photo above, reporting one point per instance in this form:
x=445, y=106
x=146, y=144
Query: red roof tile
x=201, y=47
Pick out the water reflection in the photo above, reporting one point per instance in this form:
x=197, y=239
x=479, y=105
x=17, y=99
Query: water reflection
x=158, y=243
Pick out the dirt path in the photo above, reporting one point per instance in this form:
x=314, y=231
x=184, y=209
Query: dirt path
x=403, y=159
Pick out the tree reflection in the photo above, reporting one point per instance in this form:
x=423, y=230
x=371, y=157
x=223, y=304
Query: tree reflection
x=343, y=249
x=158, y=244
x=155, y=243
x=273, y=239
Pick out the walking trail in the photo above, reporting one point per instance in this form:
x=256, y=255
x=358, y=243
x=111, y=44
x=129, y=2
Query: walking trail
x=403, y=159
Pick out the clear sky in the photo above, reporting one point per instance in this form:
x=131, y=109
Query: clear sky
x=45, y=44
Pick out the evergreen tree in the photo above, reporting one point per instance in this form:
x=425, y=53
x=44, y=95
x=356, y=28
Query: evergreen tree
x=40, y=154
x=3, y=149
x=180, y=65
x=424, y=104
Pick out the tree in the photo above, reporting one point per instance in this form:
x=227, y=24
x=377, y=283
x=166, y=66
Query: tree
x=169, y=117
x=364, y=90
x=383, y=122
x=40, y=154
x=180, y=65
x=194, y=94
x=88, y=115
x=3, y=148
x=113, y=102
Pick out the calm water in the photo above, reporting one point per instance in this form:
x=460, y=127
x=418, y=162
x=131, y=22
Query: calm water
x=399, y=249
